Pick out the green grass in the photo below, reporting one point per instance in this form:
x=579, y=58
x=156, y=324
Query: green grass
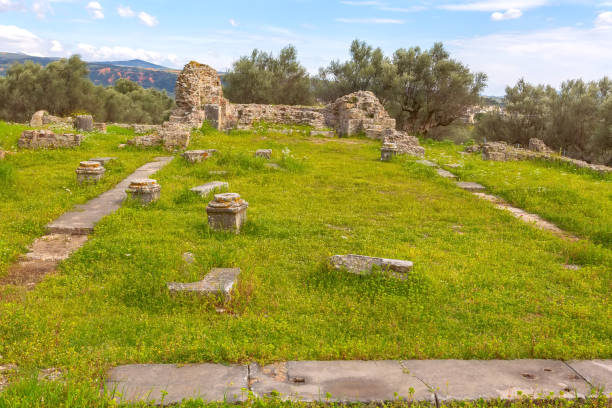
x=37, y=186
x=576, y=200
x=485, y=285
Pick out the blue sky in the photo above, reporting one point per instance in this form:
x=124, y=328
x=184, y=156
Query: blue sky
x=545, y=41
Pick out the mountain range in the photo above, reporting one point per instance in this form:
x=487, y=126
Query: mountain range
x=105, y=73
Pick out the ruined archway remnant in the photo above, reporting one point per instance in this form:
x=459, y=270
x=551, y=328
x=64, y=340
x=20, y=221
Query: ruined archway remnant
x=199, y=98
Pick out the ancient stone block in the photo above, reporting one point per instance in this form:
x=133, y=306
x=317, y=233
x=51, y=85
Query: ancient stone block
x=144, y=190
x=100, y=127
x=405, y=143
x=537, y=145
x=43, y=118
x=360, y=264
x=89, y=172
x=219, y=281
x=103, y=160
x=473, y=149
x=446, y=174
x=175, y=135
x=84, y=123
x=196, y=156
x=227, y=212
x=264, y=153
x=470, y=186
x=145, y=141
x=357, y=112
x=35, y=139
x=388, y=150
x=208, y=188
x=143, y=128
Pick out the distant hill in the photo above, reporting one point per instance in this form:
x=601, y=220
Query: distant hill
x=105, y=73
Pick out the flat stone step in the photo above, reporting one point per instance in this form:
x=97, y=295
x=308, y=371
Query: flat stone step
x=527, y=217
x=469, y=380
x=360, y=264
x=362, y=381
x=83, y=219
x=446, y=174
x=597, y=372
x=427, y=163
x=337, y=381
x=219, y=281
x=470, y=186
x=149, y=383
x=208, y=188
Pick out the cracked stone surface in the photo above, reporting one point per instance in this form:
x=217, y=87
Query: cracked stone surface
x=427, y=163
x=473, y=379
x=470, y=186
x=147, y=382
x=208, y=188
x=446, y=174
x=341, y=381
x=527, y=217
x=361, y=264
x=597, y=372
x=219, y=281
x=54, y=247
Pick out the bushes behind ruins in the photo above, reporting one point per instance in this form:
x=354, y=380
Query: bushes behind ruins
x=63, y=88
x=576, y=120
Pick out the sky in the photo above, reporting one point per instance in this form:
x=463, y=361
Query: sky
x=543, y=41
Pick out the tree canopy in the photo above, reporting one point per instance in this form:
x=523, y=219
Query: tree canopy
x=63, y=88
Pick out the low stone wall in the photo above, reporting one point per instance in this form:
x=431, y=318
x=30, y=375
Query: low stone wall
x=43, y=118
x=501, y=151
x=46, y=139
x=244, y=116
x=142, y=129
x=405, y=143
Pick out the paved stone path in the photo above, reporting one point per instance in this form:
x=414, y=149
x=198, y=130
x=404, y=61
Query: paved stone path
x=69, y=232
x=478, y=191
x=363, y=381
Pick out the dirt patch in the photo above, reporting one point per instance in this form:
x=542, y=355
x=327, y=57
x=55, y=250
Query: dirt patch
x=28, y=273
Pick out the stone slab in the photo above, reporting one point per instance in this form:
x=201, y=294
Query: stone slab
x=463, y=380
x=427, y=163
x=446, y=174
x=145, y=382
x=208, y=188
x=219, y=281
x=363, y=264
x=102, y=160
x=597, y=372
x=82, y=220
x=470, y=186
x=341, y=381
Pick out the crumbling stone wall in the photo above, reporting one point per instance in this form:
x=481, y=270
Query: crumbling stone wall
x=199, y=98
x=501, y=151
x=244, y=116
x=46, y=139
x=43, y=118
x=359, y=112
x=405, y=143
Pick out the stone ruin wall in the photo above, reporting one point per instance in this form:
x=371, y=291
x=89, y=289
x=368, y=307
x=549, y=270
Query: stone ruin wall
x=537, y=149
x=199, y=98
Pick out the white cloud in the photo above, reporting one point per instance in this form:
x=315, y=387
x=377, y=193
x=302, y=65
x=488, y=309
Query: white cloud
x=233, y=22
x=125, y=11
x=495, y=5
x=95, y=10
x=369, y=20
x=544, y=56
x=147, y=19
x=16, y=39
x=604, y=19
x=507, y=15
x=56, y=46
x=97, y=53
x=42, y=8
x=10, y=5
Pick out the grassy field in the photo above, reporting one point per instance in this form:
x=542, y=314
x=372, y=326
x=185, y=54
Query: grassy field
x=485, y=285
x=577, y=200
